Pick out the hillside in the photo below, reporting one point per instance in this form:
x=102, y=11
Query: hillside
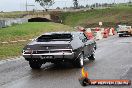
x=91, y=18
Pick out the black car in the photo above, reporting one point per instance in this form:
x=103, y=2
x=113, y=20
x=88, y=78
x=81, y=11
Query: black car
x=59, y=47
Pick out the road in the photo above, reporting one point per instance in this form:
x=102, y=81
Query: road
x=113, y=61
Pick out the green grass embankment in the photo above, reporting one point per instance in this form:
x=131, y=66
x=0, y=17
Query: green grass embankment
x=109, y=16
x=24, y=32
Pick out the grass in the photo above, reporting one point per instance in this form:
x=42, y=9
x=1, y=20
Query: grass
x=91, y=18
x=11, y=50
x=24, y=31
x=16, y=14
x=29, y=30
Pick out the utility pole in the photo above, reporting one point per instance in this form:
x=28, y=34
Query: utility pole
x=26, y=5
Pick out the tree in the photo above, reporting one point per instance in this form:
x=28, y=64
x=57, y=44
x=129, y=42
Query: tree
x=75, y=2
x=45, y=3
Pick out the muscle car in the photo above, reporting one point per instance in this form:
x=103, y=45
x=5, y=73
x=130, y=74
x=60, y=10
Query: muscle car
x=58, y=47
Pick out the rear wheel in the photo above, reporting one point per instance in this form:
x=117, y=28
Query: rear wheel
x=79, y=61
x=120, y=35
x=35, y=64
x=95, y=47
x=92, y=57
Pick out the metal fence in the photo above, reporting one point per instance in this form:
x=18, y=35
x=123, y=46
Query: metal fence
x=9, y=22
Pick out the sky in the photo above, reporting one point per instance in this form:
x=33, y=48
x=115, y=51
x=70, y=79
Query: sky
x=19, y=5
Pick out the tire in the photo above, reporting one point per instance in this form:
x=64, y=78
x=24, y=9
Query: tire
x=120, y=35
x=95, y=47
x=85, y=81
x=92, y=57
x=80, y=61
x=35, y=64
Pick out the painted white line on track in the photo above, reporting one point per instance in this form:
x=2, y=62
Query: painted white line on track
x=22, y=40
x=30, y=39
x=13, y=41
x=4, y=42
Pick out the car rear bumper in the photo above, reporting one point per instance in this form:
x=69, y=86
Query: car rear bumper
x=51, y=56
x=124, y=33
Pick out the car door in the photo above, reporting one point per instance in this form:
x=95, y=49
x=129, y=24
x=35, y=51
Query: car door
x=91, y=45
x=86, y=47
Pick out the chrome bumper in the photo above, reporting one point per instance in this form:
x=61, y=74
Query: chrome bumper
x=55, y=55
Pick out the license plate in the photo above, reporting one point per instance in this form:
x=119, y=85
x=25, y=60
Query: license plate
x=47, y=57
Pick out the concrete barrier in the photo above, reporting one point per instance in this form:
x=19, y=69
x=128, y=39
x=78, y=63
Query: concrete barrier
x=99, y=35
x=111, y=32
x=89, y=33
x=2, y=24
x=9, y=22
x=106, y=33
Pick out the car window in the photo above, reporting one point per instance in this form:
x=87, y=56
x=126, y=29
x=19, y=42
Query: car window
x=55, y=37
x=124, y=27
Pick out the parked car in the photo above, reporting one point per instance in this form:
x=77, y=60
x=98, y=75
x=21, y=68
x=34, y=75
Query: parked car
x=124, y=30
x=57, y=47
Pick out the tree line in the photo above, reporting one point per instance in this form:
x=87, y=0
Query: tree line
x=47, y=3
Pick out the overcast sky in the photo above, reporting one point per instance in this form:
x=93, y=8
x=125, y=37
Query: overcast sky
x=19, y=5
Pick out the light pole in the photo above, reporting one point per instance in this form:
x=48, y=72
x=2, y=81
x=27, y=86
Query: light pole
x=26, y=5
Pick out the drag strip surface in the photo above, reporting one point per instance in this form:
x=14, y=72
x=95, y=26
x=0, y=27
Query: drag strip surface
x=113, y=61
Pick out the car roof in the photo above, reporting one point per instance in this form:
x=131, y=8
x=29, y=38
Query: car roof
x=72, y=33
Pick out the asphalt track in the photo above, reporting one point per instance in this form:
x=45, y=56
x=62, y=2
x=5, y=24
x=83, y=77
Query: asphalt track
x=113, y=61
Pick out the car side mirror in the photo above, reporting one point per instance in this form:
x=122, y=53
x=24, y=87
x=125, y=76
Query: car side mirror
x=85, y=40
